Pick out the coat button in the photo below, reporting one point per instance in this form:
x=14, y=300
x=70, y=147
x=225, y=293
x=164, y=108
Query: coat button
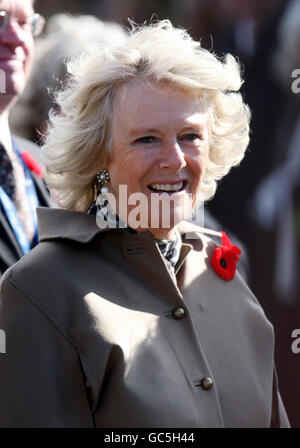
x=207, y=382
x=179, y=313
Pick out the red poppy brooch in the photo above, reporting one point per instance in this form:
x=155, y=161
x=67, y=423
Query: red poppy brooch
x=224, y=258
x=32, y=164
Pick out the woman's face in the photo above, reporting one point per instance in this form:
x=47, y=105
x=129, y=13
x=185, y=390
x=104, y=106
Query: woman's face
x=159, y=150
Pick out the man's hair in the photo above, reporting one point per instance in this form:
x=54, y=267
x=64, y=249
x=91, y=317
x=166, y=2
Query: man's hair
x=78, y=142
x=65, y=36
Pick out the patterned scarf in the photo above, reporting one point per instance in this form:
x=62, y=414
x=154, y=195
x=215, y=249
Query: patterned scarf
x=170, y=249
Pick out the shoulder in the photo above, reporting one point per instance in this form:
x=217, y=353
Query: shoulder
x=40, y=283
x=54, y=275
x=46, y=263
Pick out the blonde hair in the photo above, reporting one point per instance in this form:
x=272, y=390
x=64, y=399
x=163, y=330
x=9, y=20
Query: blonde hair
x=78, y=145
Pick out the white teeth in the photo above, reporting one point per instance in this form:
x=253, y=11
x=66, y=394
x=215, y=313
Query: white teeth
x=167, y=187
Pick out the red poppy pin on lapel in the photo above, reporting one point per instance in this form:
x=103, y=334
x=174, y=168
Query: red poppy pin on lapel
x=224, y=258
x=32, y=163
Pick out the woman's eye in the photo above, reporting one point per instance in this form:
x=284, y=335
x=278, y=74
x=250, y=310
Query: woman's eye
x=147, y=140
x=190, y=137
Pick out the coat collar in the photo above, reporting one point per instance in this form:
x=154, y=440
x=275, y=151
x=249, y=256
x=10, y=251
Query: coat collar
x=55, y=223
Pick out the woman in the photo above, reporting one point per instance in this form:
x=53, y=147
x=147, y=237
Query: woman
x=122, y=316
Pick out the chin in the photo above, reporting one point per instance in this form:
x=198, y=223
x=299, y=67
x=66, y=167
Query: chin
x=166, y=222
x=162, y=234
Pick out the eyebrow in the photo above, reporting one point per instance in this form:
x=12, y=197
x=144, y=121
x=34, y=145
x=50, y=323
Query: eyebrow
x=143, y=131
x=148, y=131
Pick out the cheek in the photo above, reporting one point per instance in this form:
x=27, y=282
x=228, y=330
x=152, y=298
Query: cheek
x=123, y=171
x=29, y=52
x=130, y=167
x=198, y=165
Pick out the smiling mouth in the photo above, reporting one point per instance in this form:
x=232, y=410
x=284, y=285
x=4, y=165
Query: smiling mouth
x=168, y=188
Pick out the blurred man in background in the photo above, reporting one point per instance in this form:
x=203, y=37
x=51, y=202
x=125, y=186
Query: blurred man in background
x=21, y=186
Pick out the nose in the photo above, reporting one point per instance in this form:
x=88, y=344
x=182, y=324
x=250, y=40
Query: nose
x=172, y=157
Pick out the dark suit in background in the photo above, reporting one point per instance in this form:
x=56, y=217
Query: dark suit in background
x=21, y=189
x=10, y=250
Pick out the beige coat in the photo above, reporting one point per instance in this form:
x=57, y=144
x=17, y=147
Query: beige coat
x=92, y=338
